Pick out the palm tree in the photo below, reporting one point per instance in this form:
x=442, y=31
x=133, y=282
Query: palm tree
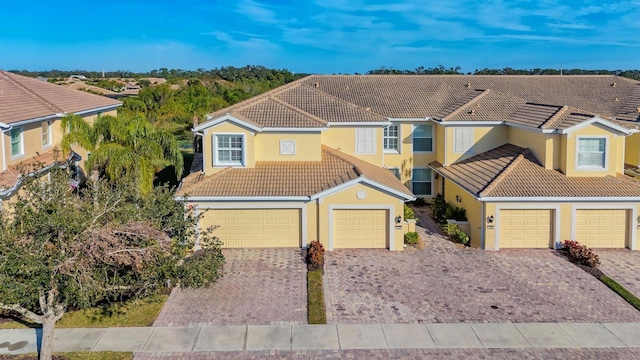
x=123, y=146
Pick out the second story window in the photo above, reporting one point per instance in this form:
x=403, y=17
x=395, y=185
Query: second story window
x=462, y=139
x=229, y=150
x=46, y=133
x=17, y=147
x=591, y=153
x=391, y=135
x=366, y=141
x=423, y=138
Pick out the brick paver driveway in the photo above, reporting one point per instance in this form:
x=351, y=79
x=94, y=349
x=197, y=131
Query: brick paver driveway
x=623, y=266
x=446, y=283
x=259, y=287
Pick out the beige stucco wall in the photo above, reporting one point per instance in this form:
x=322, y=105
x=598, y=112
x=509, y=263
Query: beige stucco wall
x=535, y=141
x=308, y=146
x=343, y=138
x=632, y=149
x=614, y=151
x=227, y=128
x=484, y=138
x=472, y=206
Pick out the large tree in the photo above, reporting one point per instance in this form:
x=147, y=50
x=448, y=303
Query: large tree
x=64, y=247
x=123, y=146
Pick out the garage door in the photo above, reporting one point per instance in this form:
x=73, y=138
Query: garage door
x=601, y=228
x=525, y=228
x=255, y=227
x=360, y=228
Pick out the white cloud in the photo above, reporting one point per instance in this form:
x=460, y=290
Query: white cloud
x=251, y=43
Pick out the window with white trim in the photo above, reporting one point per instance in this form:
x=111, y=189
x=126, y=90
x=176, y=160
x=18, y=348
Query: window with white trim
x=423, y=138
x=422, y=182
x=391, y=138
x=17, y=147
x=366, y=141
x=395, y=172
x=46, y=133
x=462, y=139
x=287, y=147
x=591, y=152
x=229, y=149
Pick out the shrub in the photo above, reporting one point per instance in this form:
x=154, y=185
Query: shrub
x=582, y=254
x=438, y=209
x=316, y=311
x=411, y=238
x=201, y=267
x=409, y=213
x=315, y=256
x=457, y=235
x=456, y=213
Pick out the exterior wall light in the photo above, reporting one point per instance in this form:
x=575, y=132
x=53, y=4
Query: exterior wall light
x=398, y=219
x=490, y=219
x=458, y=199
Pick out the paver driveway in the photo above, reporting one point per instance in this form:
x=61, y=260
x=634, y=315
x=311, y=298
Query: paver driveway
x=446, y=283
x=259, y=287
x=622, y=265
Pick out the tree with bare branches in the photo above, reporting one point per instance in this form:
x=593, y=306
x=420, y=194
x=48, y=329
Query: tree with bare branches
x=63, y=247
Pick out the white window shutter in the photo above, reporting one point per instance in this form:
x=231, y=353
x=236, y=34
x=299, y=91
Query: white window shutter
x=366, y=141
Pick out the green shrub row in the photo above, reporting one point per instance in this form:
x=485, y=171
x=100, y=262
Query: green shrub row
x=620, y=290
x=316, y=311
x=411, y=238
x=441, y=211
x=456, y=234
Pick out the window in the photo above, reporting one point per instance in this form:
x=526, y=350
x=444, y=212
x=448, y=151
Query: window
x=395, y=172
x=229, y=149
x=462, y=139
x=423, y=138
x=16, y=141
x=287, y=147
x=46, y=133
x=421, y=182
x=390, y=138
x=591, y=153
x=366, y=141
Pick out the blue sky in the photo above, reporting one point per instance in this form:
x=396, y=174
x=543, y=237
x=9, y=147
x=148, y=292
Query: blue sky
x=321, y=36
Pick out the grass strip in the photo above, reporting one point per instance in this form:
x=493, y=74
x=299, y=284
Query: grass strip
x=132, y=313
x=620, y=290
x=315, y=298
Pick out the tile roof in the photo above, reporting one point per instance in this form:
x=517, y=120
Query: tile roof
x=288, y=178
x=418, y=96
x=10, y=177
x=525, y=100
x=270, y=112
x=24, y=98
x=512, y=171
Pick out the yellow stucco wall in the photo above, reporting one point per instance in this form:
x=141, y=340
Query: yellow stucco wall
x=535, y=141
x=307, y=145
x=347, y=197
x=228, y=128
x=343, y=138
x=404, y=159
x=484, y=138
x=632, y=149
x=614, y=151
x=472, y=206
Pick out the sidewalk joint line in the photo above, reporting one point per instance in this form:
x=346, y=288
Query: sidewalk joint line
x=100, y=338
x=149, y=338
x=193, y=346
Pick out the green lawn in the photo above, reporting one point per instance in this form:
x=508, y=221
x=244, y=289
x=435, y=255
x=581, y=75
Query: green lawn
x=315, y=298
x=133, y=313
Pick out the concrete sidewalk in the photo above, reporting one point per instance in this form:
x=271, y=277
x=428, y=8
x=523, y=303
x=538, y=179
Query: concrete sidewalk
x=331, y=337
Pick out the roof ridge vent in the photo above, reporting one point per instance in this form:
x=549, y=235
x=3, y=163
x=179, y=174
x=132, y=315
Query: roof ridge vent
x=316, y=84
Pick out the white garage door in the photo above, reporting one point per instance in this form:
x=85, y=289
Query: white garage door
x=525, y=228
x=255, y=227
x=602, y=228
x=360, y=228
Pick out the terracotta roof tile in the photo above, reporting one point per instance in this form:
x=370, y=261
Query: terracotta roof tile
x=288, y=178
x=11, y=176
x=488, y=106
x=630, y=108
x=24, y=98
x=273, y=113
x=511, y=171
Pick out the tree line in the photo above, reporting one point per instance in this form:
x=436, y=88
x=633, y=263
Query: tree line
x=441, y=70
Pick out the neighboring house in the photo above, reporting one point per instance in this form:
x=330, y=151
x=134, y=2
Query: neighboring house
x=30, y=113
x=534, y=160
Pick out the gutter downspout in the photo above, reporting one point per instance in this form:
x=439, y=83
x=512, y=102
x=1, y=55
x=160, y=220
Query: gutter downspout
x=5, y=128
